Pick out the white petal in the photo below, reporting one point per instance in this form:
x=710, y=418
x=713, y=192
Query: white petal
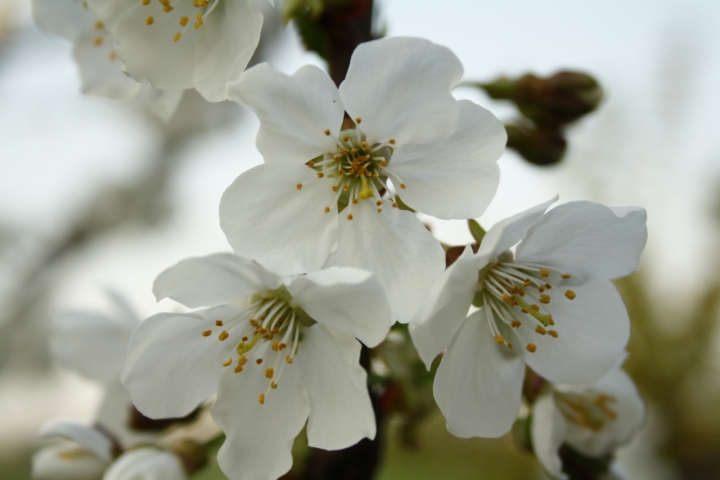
x=100, y=68
x=510, y=231
x=66, y=18
x=294, y=112
x=456, y=177
x=171, y=367
x=400, y=87
x=592, y=332
x=149, y=52
x=126, y=314
x=616, y=472
x=445, y=306
x=587, y=239
x=628, y=406
x=226, y=42
x=87, y=437
x=93, y=345
x=340, y=410
x=259, y=437
x=216, y=279
x=394, y=245
x=146, y=464
x=548, y=434
x=478, y=385
x=265, y=217
x=347, y=299
x=66, y=462
x=166, y=103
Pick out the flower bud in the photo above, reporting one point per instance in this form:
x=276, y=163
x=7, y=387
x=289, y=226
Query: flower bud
x=551, y=102
x=541, y=146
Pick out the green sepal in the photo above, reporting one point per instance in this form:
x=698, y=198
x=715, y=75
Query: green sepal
x=476, y=230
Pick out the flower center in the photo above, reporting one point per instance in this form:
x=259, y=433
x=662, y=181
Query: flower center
x=269, y=331
x=588, y=411
x=519, y=295
x=185, y=13
x=356, y=171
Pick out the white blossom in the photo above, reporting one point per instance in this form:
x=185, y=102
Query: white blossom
x=276, y=350
x=328, y=194
x=549, y=305
x=181, y=44
x=146, y=464
x=94, y=52
x=593, y=419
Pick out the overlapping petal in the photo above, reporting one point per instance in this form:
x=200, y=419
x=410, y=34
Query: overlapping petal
x=445, y=306
x=400, y=88
x=479, y=383
x=66, y=18
x=66, y=462
x=86, y=437
x=588, y=239
x=340, y=410
x=266, y=217
x=294, y=111
x=171, y=367
x=213, y=280
x=593, y=331
x=397, y=247
x=548, y=434
x=258, y=437
x=146, y=464
x=456, y=177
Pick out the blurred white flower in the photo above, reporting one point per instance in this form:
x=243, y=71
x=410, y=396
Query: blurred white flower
x=146, y=464
x=567, y=335
x=180, y=44
x=275, y=350
x=93, y=50
x=593, y=419
x=408, y=129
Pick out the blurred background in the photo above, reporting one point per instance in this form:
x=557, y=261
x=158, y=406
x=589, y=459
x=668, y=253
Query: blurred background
x=96, y=195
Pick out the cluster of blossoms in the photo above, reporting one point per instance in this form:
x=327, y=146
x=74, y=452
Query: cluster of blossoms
x=328, y=253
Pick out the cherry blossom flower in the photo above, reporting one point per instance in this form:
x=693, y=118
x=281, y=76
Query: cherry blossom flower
x=275, y=350
x=593, y=419
x=328, y=191
x=181, y=44
x=549, y=305
x=93, y=50
x=91, y=454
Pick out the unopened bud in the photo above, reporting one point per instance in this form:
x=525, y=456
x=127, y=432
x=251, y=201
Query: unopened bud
x=553, y=101
x=541, y=146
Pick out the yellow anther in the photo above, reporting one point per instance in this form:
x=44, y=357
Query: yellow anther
x=99, y=25
x=527, y=282
x=548, y=286
x=238, y=369
x=499, y=339
x=358, y=120
x=379, y=210
x=345, y=151
x=311, y=164
x=227, y=362
x=566, y=276
x=402, y=185
x=550, y=320
x=531, y=347
x=273, y=385
x=146, y=2
x=259, y=361
x=395, y=205
x=283, y=346
x=540, y=330
x=242, y=360
x=261, y=399
x=177, y=37
x=327, y=132
x=244, y=339
x=541, y=289
x=363, y=145
x=269, y=373
x=98, y=41
x=505, y=297
x=570, y=294
x=276, y=345
x=535, y=307
x=335, y=188
x=520, y=290
x=378, y=203
x=553, y=333
x=299, y=186
x=168, y=8
x=288, y=359
x=263, y=330
x=543, y=272
x=391, y=141
x=515, y=324
x=545, y=299
x=320, y=175
x=353, y=151
x=219, y=323
x=184, y=21
x=349, y=217
x=355, y=201
x=383, y=163
x=346, y=138
x=327, y=209
x=199, y=21
x=149, y=20
x=509, y=344
x=223, y=336
x=207, y=333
